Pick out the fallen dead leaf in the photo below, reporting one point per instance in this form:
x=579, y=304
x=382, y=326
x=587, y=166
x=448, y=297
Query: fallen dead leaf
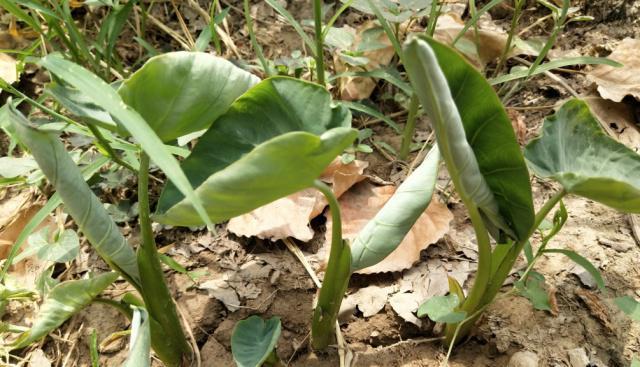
x=353, y=88
x=619, y=119
x=290, y=216
x=38, y=358
x=491, y=40
x=8, y=69
x=405, y=304
x=363, y=202
x=369, y=300
x=616, y=83
x=222, y=291
x=519, y=127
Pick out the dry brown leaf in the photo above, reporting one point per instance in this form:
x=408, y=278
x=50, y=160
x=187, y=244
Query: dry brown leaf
x=619, y=118
x=363, y=202
x=616, y=83
x=369, y=300
x=491, y=40
x=519, y=127
x=25, y=273
x=358, y=88
x=8, y=70
x=289, y=216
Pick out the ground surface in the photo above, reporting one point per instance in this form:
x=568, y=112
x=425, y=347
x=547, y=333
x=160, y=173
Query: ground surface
x=272, y=282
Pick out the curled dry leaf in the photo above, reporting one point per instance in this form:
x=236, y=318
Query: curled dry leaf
x=289, y=216
x=615, y=83
x=361, y=204
x=491, y=40
x=519, y=127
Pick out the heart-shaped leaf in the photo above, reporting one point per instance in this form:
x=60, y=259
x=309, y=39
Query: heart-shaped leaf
x=442, y=309
x=275, y=140
x=574, y=151
x=62, y=302
x=254, y=340
x=474, y=134
x=181, y=92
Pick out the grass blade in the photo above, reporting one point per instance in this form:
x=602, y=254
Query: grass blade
x=578, y=259
x=559, y=63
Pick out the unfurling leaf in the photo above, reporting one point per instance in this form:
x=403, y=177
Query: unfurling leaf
x=274, y=140
x=442, y=309
x=79, y=200
x=254, y=340
x=140, y=348
x=574, y=151
x=62, y=302
x=382, y=234
x=474, y=135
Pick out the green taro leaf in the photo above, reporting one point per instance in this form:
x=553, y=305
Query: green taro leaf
x=254, y=340
x=64, y=248
x=442, y=309
x=178, y=93
x=80, y=202
x=101, y=94
x=62, y=302
x=82, y=106
x=275, y=140
x=629, y=306
x=140, y=350
x=474, y=135
x=382, y=234
x=574, y=151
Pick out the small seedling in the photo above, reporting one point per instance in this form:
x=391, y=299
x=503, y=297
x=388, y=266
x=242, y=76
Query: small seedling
x=254, y=340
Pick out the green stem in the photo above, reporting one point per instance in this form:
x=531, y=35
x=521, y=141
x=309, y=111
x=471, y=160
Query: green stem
x=336, y=277
x=483, y=277
x=507, y=48
x=559, y=23
x=410, y=127
x=157, y=298
x=434, y=13
x=104, y=143
x=254, y=42
x=317, y=16
x=502, y=272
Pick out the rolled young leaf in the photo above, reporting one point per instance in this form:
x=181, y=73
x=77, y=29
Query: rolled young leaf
x=62, y=302
x=574, y=151
x=274, y=140
x=140, y=349
x=382, y=234
x=103, y=95
x=181, y=92
x=474, y=135
x=80, y=202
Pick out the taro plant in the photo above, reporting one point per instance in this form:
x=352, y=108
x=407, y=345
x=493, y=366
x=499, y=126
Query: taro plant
x=489, y=173
x=258, y=142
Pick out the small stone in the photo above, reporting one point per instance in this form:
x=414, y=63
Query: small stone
x=578, y=357
x=523, y=358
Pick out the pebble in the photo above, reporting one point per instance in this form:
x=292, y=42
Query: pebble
x=523, y=358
